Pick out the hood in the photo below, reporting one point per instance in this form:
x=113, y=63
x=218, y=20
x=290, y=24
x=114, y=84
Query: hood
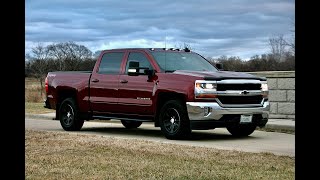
x=218, y=75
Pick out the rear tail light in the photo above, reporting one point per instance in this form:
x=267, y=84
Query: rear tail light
x=46, y=85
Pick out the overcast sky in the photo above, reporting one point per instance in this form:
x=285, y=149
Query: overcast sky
x=211, y=27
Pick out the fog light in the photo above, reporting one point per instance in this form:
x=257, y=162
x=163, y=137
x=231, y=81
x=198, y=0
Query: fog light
x=207, y=111
x=265, y=116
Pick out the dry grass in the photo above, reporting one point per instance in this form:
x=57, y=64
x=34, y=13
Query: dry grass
x=60, y=155
x=34, y=102
x=36, y=108
x=33, y=91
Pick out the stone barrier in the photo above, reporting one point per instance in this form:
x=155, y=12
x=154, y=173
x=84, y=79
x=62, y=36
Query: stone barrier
x=281, y=93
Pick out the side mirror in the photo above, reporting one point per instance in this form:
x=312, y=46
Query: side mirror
x=133, y=69
x=219, y=66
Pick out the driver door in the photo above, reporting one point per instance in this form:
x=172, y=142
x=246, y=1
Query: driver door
x=135, y=92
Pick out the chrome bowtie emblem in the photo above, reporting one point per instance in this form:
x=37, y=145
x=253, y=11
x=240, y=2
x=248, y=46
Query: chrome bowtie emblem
x=244, y=92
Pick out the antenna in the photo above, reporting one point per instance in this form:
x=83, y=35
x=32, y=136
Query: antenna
x=165, y=42
x=165, y=53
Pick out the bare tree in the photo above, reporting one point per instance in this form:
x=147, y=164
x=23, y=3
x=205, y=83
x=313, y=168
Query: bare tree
x=97, y=54
x=278, y=46
x=69, y=54
x=38, y=63
x=291, y=43
x=57, y=53
x=231, y=63
x=76, y=54
x=76, y=51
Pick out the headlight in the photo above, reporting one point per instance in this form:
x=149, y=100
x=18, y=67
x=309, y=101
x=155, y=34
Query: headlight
x=210, y=86
x=205, y=89
x=264, y=89
x=264, y=86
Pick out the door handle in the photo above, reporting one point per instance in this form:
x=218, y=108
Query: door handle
x=95, y=80
x=123, y=81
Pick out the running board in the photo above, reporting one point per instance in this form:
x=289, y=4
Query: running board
x=119, y=118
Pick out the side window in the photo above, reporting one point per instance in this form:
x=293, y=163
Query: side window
x=141, y=58
x=110, y=63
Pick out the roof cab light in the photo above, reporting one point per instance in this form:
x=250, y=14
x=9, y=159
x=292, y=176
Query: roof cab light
x=186, y=49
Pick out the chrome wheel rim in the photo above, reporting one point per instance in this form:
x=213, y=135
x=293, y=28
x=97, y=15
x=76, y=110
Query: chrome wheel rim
x=171, y=120
x=67, y=115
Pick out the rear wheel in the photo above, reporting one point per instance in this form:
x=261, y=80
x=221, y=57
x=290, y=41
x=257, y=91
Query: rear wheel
x=68, y=115
x=174, y=121
x=131, y=124
x=241, y=130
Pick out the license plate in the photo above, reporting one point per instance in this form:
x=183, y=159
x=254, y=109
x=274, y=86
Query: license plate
x=246, y=119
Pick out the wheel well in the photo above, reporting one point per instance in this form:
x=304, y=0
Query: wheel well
x=62, y=96
x=164, y=97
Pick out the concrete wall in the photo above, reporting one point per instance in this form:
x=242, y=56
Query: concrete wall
x=281, y=93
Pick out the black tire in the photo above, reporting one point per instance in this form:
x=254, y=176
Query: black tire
x=174, y=120
x=241, y=130
x=69, y=116
x=131, y=124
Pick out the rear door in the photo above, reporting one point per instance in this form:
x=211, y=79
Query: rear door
x=135, y=92
x=104, y=82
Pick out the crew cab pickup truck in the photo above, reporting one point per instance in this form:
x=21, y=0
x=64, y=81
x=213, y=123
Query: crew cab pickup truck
x=178, y=90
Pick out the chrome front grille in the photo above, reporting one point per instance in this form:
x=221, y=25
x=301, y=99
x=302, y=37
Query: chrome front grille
x=225, y=87
x=240, y=99
x=238, y=93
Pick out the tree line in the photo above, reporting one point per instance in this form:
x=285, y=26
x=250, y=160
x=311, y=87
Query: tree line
x=69, y=56
x=280, y=58
x=264, y=62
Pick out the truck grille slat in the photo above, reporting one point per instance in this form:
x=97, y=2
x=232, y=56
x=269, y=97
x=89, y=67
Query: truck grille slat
x=240, y=99
x=224, y=87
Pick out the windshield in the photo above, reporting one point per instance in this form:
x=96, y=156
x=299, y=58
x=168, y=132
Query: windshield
x=172, y=61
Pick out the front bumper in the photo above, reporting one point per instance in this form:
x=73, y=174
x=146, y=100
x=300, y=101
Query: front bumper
x=211, y=114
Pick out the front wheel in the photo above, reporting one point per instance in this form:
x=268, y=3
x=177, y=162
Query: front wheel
x=68, y=115
x=174, y=121
x=131, y=124
x=241, y=130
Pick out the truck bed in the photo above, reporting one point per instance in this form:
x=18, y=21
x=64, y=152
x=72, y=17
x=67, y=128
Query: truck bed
x=76, y=82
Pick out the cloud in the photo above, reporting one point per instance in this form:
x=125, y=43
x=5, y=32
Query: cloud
x=215, y=28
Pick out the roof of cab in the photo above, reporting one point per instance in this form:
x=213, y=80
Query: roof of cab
x=152, y=49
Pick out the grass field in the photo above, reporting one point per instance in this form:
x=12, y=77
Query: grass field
x=36, y=108
x=33, y=91
x=60, y=155
x=34, y=100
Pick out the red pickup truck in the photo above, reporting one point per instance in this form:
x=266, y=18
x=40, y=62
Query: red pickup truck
x=178, y=90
